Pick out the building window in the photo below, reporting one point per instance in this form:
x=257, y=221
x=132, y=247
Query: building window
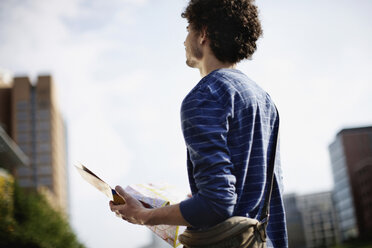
x=43, y=136
x=43, y=159
x=24, y=171
x=43, y=114
x=45, y=180
x=42, y=125
x=43, y=147
x=23, y=126
x=23, y=105
x=43, y=104
x=44, y=170
x=22, y=115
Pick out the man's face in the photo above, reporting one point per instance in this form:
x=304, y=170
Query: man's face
x=193, y=48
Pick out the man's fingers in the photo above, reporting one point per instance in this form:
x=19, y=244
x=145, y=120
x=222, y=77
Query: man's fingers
x=114, y=207
x=126, y=211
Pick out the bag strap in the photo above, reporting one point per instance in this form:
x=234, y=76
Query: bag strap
x=265, y=212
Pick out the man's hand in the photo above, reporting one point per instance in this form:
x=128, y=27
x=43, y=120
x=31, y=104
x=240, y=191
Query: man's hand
x=132, y=211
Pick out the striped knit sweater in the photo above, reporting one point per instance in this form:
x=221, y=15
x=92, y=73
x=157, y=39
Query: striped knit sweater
x=228, y=122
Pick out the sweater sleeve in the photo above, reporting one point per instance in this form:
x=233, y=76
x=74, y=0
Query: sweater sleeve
x=205, y=123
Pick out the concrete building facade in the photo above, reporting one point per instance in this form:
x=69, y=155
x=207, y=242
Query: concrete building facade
x=30, y=115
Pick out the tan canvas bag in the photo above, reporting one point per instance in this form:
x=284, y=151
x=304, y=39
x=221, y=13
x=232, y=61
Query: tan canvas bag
x=235, y=232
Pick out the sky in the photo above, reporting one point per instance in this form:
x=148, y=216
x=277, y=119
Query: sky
x=119, y=68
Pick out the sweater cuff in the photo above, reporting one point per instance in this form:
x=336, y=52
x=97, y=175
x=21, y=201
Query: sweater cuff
x=198, y=212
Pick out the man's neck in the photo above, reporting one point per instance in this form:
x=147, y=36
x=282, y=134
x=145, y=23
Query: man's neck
x=211, y=63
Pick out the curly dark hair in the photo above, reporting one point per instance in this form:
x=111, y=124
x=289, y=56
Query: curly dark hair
x=232, y=26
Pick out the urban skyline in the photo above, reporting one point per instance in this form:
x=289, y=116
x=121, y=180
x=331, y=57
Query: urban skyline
x=325, y=219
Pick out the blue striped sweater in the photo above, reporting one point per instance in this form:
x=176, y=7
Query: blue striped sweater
x=228, y=124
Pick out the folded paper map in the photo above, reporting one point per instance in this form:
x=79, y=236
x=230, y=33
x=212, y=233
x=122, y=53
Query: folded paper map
x=97, y=182
x=150, y=195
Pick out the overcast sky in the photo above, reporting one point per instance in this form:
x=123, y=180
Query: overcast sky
x=119, y=67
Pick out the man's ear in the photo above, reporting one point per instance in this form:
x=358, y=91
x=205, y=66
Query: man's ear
x=203, y=36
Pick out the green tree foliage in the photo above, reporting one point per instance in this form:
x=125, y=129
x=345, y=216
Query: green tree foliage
x=34, y=224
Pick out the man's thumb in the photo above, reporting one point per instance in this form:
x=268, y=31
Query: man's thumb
x=121, y=192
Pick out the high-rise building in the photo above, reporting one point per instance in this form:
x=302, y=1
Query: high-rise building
x=351, y=159
x=311, y=220
x=30, y=115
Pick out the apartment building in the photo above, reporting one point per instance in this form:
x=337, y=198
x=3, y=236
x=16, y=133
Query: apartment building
x=30, y=115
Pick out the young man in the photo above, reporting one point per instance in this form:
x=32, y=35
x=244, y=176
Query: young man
x=228, y=123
